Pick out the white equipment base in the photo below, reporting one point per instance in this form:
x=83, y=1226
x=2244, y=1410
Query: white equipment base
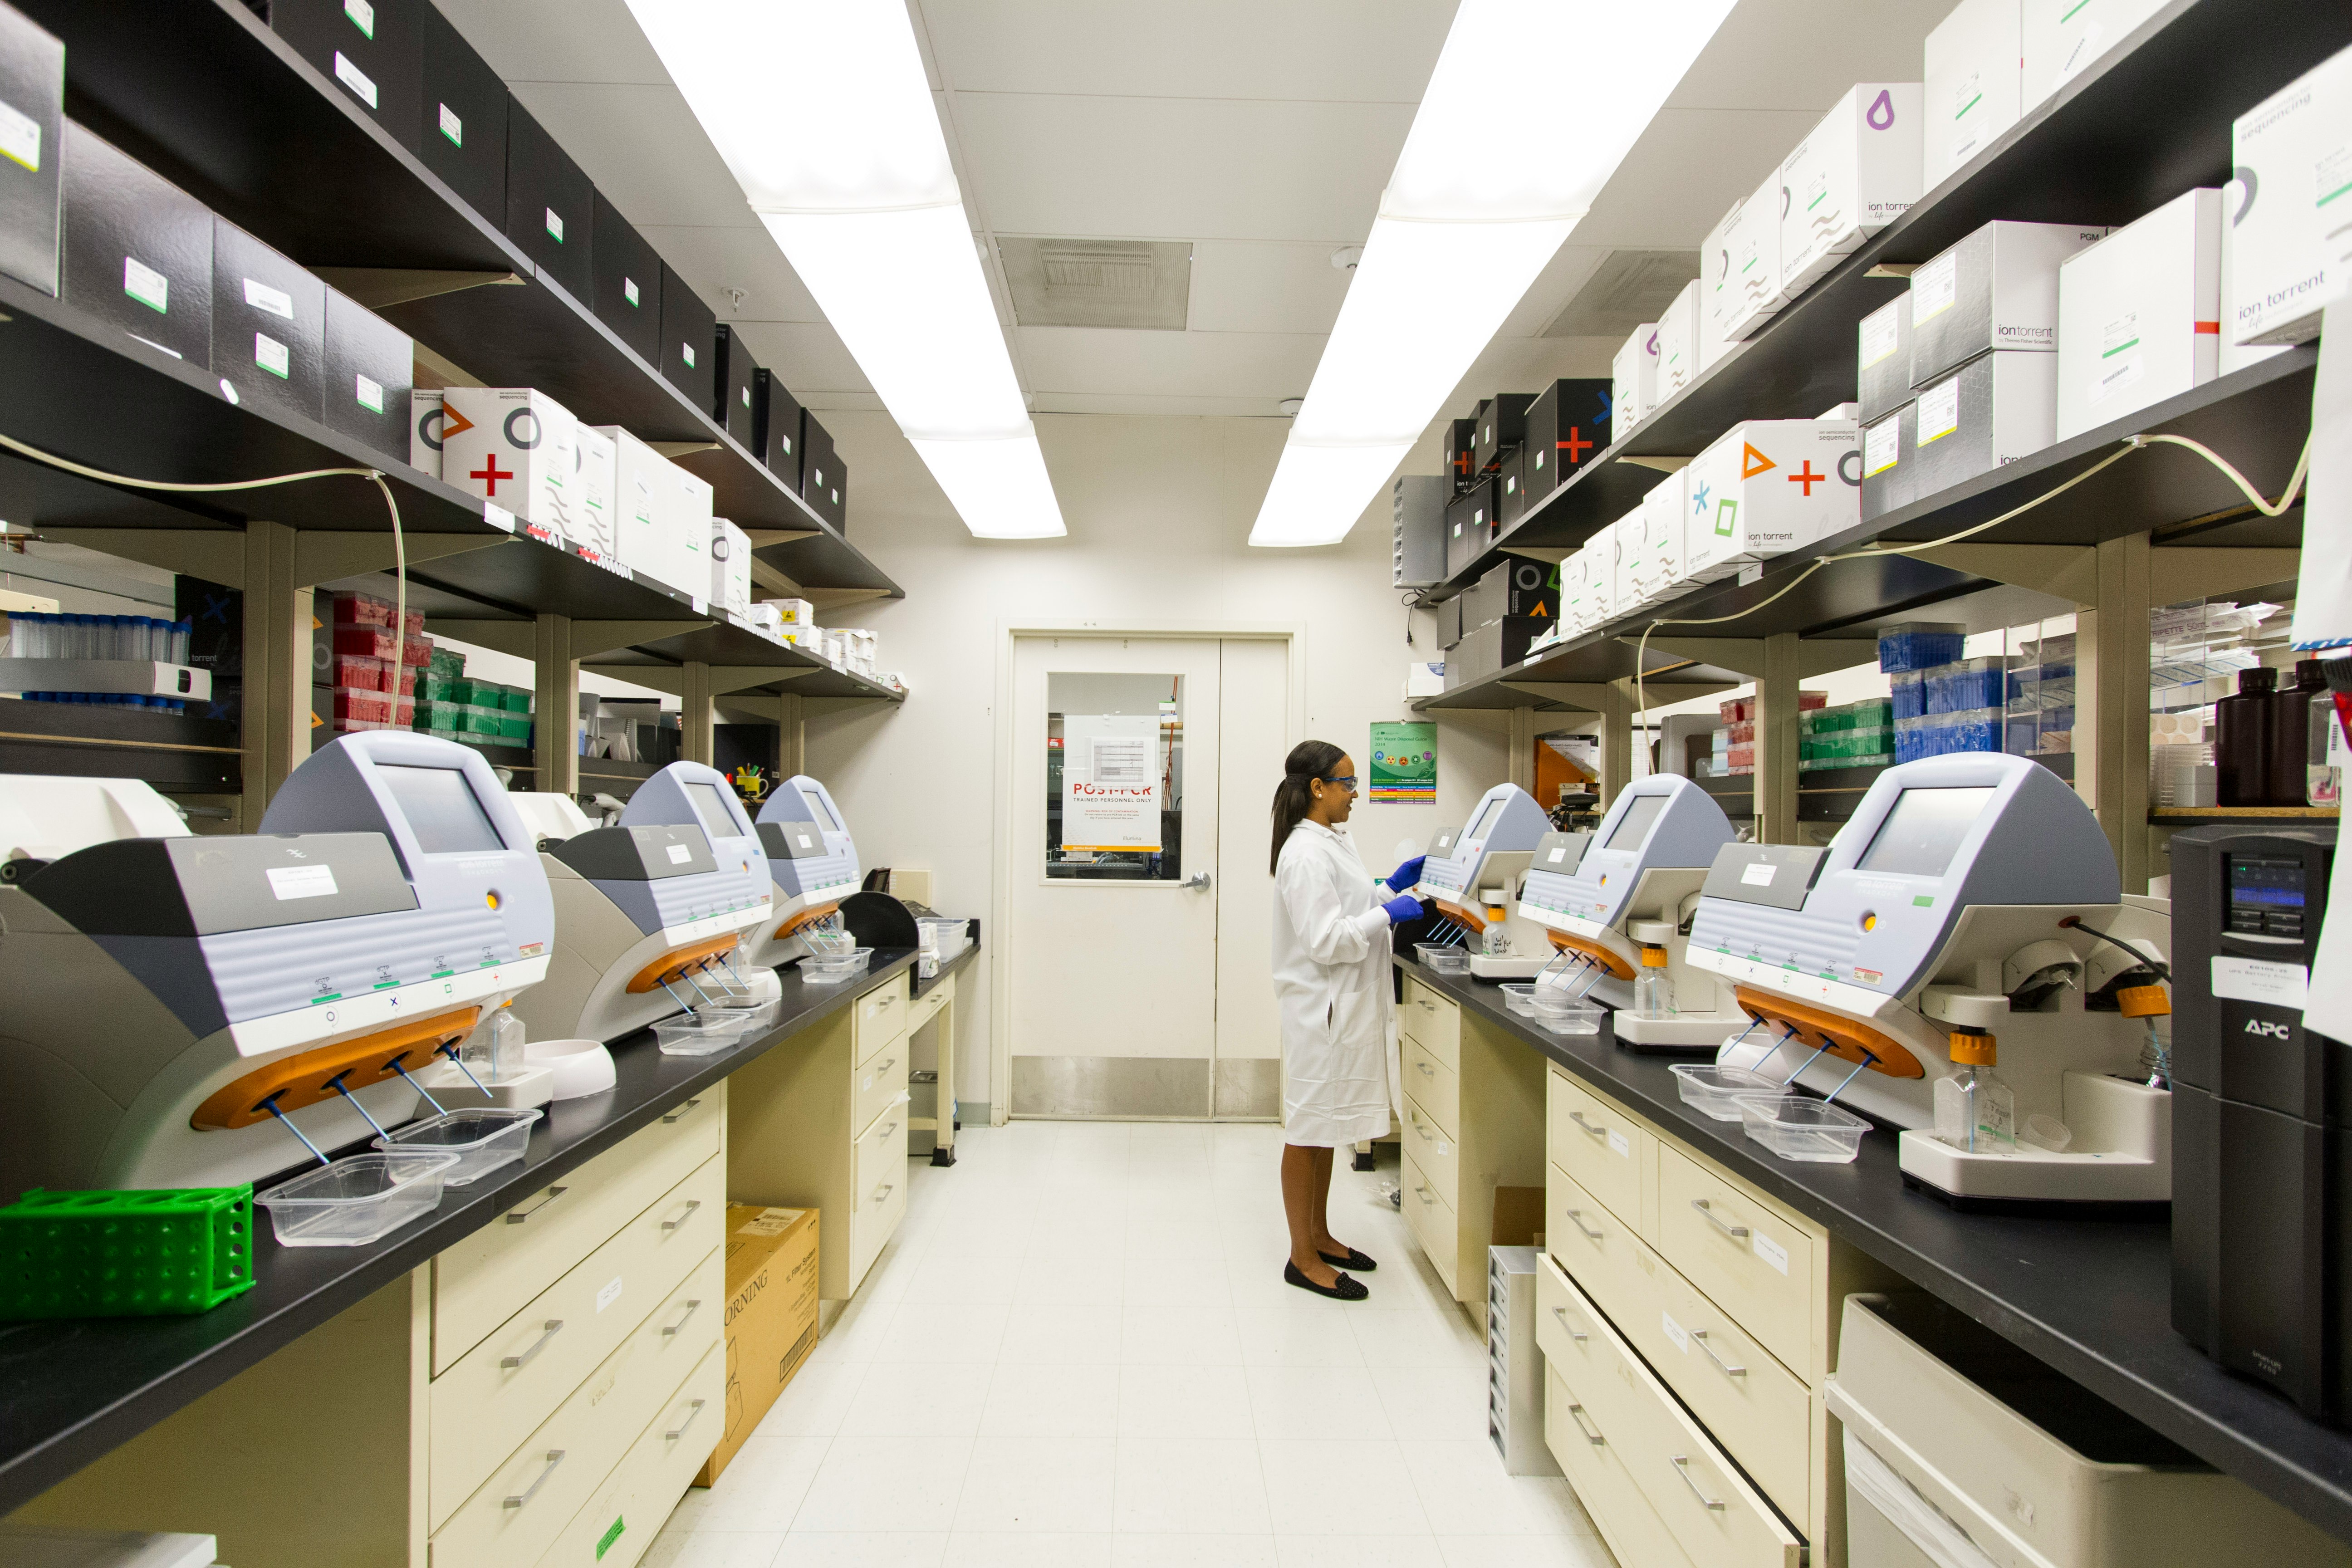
x=1690, y=1033
x=520, y=1091
x=1509, y=966
x=2122, y=1152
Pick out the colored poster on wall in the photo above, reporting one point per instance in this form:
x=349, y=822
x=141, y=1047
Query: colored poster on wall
x=1110, y=782
x=1404, y=765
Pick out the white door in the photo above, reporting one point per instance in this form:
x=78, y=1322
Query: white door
x=1126, y=794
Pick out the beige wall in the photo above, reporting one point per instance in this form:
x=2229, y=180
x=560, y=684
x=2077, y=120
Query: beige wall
x=1158, y=511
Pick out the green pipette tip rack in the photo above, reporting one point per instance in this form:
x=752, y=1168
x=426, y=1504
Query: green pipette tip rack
x=124, y=1254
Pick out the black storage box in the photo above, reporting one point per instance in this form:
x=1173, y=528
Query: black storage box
x=1512, y=500
x=1493, y=647
x=137, y=249
x=1449, y=622
x=370, y=369
x=690, y=333
x=1457, y=452
x=628, y=282
x=270, y=324
x=215, y=617
x=1502, y=426
x=461, y=133
x=1567, y=424
x=371, y=49
x=820, y=469
x=777, y=432
x=1517, y=587
x=551, y=205
x=1469, y=526
x=736, y=372
x=33, y=83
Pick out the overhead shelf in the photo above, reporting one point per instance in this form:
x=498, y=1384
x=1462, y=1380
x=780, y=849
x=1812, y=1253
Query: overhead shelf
x=205, y=94
x=2148, y=120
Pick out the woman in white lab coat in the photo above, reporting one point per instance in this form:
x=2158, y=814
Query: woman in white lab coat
x=1331, y=982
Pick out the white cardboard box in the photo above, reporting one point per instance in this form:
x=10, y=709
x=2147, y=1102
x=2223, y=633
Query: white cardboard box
x=2235, y=355
x=1996, y=291
x=1657, y=552
x=425, y=416
x=1743, y=263
x=2296, y=145
x=798, y=613
x=1976, y=84
x=1993, y=410
x=690, y=534
x=2139, y=313
x=641, y=513
x=731, y=568
x=596, y=459
x=1678, y=346
x=1634, y=381
x=1767, y=486
x=1625, y=591
x=513, y=446
x=2063, y=37
x=1857, y=171
x=1586, y=587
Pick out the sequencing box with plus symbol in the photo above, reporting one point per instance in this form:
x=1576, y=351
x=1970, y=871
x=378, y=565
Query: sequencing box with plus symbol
x=1767, y=486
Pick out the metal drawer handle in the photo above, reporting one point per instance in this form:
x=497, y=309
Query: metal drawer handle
x=883, y=1136
x=883, y=1193
x=1577, y=1117
x=1736, y=1232
x=1591, y=1433
x=554, y=1458
x=1426, y=1005
x=1576, y=1218
x=1682, y=1468
x=1426, y=1071
x=1423, y=1193
x=886, y=1067
x=1709, y=1346
x=553, y=1327
x=1576, y=1334
x=692, y=1204
x=691, y=1416
x=691, y=1308
x=1418, y=1127
x=679, y=1114
x=516, y=1217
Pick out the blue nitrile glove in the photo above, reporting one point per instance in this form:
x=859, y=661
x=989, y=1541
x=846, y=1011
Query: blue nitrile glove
x=1401, y=908
x=1407, y=876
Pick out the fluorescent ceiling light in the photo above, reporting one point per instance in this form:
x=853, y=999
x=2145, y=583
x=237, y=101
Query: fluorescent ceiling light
x=823, y=113
x=1462, y=230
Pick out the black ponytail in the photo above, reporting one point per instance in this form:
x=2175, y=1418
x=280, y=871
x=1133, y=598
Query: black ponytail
x=1309, y=761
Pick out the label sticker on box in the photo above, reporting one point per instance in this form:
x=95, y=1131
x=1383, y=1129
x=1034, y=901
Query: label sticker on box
x=1769, y=1250
x=609, y=1294
x=770, y=1222
x=1759, y=875
x=20, y=137
x=146, y=285
x=452, y=127
x=746, y=393
x=276, y=301
x=497, y=516
x=370, y=393
x=2260, y=981
x=1881, y=447
x=1557, y=856
x=629, y=290
x=302, y=882
x=555, y=226
x=679, y=854
x=271, y=355
x=362, y=15
x=1935, y=287
x=1940, y=411
x=1675, y=1332
x=1880, y=332
x=687, y=351
x=352, y=77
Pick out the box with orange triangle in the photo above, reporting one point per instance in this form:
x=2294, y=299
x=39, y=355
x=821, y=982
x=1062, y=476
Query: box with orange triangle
x=1767, y=486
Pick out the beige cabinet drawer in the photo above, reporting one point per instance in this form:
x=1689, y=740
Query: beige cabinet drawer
x=878, y=1085
x=529, y=1498
x=1435, y=1021
x=1433, y=1150
x=1599, y=1144
x=1436, y=1085
x=486, y=1277
x=882, y=1158
x=1596, y=1248
x=617, y=1524
x=926, y=1006
x=1748, y=1259
x=874, y=1224
x=484, y=1406
x=1431, y=1219
x=881, y=1017
x=1627, y=1522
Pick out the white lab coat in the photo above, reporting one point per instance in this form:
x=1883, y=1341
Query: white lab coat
x=1331, y=979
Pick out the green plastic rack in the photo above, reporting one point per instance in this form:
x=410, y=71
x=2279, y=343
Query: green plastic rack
x=124, y=1254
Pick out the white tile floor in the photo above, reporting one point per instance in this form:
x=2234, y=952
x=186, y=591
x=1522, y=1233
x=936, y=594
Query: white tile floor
x=1079, y=1351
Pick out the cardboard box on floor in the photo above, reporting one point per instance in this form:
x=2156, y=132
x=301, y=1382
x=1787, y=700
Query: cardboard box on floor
x=770, y=1316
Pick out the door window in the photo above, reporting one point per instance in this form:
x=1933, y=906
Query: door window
x=1114, y=777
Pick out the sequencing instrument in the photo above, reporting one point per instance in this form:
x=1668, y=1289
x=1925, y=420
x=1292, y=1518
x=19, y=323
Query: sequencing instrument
x=1968, y=916
x=1621, y=899
x=812, y=860
x=648, y=913
x=1470, y=878
x=171, y=997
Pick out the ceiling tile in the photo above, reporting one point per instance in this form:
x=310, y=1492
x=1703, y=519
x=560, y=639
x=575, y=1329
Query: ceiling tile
x=1155, y=403
x=715, y=260
x=1178, y=168
x=809, y=356
x=557, y=40
x=1803, y=54
x=643, y=148
x=1240, y=286
x=1202, y=365
x=1685, y=173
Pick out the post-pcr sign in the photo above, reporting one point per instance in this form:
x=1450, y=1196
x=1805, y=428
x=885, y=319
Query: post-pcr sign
x=1111, y=780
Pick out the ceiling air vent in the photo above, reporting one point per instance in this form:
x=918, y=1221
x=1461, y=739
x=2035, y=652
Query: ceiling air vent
x=1143, y=284
x=1629, y=288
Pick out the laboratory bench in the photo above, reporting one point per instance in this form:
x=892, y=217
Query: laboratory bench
x=2089, y=1294
x=73, y=1392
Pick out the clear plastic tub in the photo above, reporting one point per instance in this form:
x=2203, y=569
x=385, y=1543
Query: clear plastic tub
x=1810, y=1131
x=1568, y=1018
x=822, y=969
x=1444, y=958
x=1519, y=995
x=701, y=1033
x=754, y=1015
x=942, y=937
x=483, y=1139
x=1716, y=1091
x=829, y=943
x=358, y=1199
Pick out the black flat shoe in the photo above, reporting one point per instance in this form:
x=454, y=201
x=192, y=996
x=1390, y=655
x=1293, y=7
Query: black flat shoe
x=1346, y=1289
x=1352, y=1258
